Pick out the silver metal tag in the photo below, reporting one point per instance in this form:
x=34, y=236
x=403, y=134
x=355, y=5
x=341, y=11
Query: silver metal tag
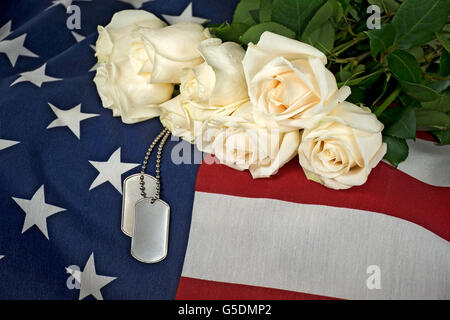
x=131, y=195
x=150, y=239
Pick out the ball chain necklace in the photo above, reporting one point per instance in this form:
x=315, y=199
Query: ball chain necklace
x=145, y=217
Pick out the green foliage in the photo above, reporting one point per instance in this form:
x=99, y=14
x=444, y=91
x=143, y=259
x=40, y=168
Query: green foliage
x=406, y=63
x=397, y=150
x=419, y=91
x=265, y=11
x=443, y=136
x=416, y=21
x=405, y=126
x=444, y=69
x=443, y=39
x=442, y=104
x=254, y=32
x=404, y=66
x=429, y=120
x=381, y=39
x=386, y=6
x=242, y=13
x=295, y=14
x=230, y=32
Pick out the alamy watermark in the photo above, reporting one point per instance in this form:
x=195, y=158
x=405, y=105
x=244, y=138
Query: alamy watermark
x=374, y=20
x=73, y=22
x=74, y=280
x=373, y=282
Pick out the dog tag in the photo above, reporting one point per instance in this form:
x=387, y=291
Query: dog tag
x=131, y=195
x=150, y=239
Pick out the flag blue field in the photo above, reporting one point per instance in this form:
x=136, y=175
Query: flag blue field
x=59, y=204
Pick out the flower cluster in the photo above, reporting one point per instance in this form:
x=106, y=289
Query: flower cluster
x=254, y=110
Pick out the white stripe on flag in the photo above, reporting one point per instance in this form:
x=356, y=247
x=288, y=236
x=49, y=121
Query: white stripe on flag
x=428, y=162
x=314, y=249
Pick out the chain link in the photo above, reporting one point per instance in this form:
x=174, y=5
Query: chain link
x=162, y=135
x=158, y=166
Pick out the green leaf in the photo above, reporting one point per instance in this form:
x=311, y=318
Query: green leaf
x=428, y=120
x=344, y=75
x=230, y=32
x=265, y=11
x=358, y=95
x=320, y=18
x=397, y=150
x=339, y=14
x=254, y=33
x=354, y=13
x=405, y=127
x=389, y=6
x=439, y=85
x=417, y=52
x=295, y=14
x=322, y=38
x=443, y=39
x=419, y=91
x=255, y=15
x=442, y=104
x=381, y=39
x=344, y=3
x=443, y=136
x=242, y=13
x=444, y=65
x=408, y=101
x=416, y=21
x=390, y=115
x=404, y=66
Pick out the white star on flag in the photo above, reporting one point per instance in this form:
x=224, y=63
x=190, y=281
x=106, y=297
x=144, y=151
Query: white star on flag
x=1, y=257
x=36, y=77
x=186, y=16
x=70, y=118
x=135, y=3
x=15, y=48
x=37, y=211
x=94, y=67
x=111, y=171
x=91, y=282
x=7, y=143
x=65, y=3
x=78, y=38
x=5, y=30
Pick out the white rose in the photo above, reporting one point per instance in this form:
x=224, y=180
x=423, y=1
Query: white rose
x=289, y=84
x=217, y=86
x=176, y=118
x=123, y=72
x=246, y=146
x=343, y=148
x=173, y=48
x=211, y=90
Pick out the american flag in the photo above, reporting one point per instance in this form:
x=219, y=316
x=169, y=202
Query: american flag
x=63, y=159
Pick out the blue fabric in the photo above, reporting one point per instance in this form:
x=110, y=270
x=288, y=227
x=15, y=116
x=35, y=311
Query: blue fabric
x=34, y=267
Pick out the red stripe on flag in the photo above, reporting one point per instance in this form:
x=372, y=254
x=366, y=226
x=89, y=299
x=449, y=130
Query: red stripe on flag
x=387, y=190
x=426, y=135
x=196, y=289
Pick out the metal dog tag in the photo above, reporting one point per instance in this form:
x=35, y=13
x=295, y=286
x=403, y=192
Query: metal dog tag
x=131, y=195
x=150, y=239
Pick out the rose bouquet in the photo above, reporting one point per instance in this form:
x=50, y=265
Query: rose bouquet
x=286, y=78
